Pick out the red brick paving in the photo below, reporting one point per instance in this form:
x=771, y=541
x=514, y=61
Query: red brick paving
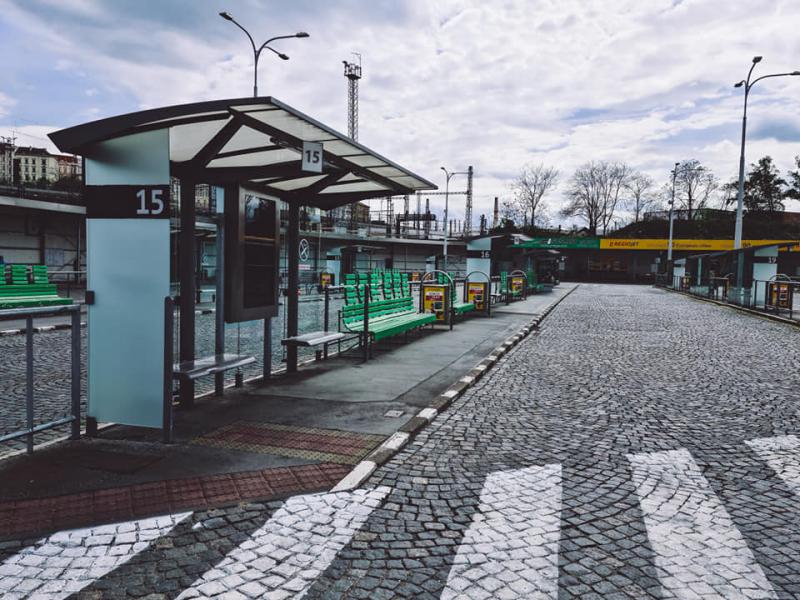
x=29, y=518
x=314, y=443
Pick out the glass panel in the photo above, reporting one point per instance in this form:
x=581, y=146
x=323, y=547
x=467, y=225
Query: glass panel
x=256, y=159
x=186, y=140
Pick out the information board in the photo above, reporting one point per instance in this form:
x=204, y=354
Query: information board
x=434, y=300
x=477, y=294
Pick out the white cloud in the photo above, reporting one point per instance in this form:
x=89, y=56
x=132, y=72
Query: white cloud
x=492, y=84
x=6, y=102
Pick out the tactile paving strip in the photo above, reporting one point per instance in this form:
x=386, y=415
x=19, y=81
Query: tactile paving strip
x=311, y=443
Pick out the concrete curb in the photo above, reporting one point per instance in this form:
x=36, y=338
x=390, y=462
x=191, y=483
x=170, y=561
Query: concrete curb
x=749, y=311
x=439, y=404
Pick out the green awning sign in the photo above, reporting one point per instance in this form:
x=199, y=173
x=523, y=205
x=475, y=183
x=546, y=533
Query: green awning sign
x=562, y=243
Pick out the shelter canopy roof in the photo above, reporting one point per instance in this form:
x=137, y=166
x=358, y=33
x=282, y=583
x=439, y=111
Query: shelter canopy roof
x=256, y=142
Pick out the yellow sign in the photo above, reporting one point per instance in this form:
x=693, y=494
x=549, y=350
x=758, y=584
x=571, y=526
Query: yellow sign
x=701, y=245
x=476, y=294
x=517, y=285
x=434, y=301
x=325, y=279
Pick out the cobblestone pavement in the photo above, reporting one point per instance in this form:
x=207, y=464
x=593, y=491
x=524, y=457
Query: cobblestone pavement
x=639, y=445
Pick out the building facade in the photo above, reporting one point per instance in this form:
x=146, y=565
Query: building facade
x=34, y=164
x=6, y=162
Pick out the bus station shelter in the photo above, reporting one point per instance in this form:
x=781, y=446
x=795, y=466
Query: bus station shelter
x=259, y=145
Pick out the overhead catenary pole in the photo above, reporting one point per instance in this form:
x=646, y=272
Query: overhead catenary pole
x=448, y=176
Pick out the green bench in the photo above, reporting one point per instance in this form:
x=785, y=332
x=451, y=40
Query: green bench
x=24, y=293
x=387, y=318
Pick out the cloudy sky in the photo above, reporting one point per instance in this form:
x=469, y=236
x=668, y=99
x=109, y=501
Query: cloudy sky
x=489, y=83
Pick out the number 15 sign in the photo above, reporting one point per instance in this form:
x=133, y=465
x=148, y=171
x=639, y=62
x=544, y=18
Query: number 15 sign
x=312, y=157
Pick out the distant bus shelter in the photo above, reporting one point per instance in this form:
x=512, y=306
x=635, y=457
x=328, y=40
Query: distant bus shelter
x=256, y=151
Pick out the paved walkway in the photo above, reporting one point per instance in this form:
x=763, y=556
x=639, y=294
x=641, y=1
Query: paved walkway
x=640, y=445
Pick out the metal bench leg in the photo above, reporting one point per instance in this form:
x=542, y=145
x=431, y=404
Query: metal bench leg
x=91, y=427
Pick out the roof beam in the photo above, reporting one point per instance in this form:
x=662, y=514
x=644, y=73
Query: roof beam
x=244, y=151
x=315, y=188
x=242, y=174
x=207, y=153
x=335, y=160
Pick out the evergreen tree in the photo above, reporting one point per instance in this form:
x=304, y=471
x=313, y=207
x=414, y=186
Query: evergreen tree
x=764, y=187
x=793, y=190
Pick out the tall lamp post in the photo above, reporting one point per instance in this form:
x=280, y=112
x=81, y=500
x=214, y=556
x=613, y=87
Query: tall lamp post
x=265, y=45
x=671, y=216
x=748, y=85
x=449, y=175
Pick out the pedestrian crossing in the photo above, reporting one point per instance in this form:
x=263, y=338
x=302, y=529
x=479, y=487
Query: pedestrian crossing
x=512, y=547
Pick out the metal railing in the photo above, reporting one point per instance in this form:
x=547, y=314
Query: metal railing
x=74, y=419
x=774, y=296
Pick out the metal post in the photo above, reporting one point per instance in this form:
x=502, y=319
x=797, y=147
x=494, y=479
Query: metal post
x=29, y=381
x=737, y=237
x=293, y=268
x=267, y=362
x=326, y=317
x=366, y=321
x=671, y=217
x=219, y=320
x=186, y=267
x=446, y=204
x=169, y=311
x=76, y=374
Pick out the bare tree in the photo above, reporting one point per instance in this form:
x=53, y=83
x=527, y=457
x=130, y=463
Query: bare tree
x=595, y=191
x=640, y=188
x=694, y=185
x=530, y=187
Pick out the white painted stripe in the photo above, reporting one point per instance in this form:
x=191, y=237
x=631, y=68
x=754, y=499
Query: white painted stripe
x=354, y=478
x=467, y=379
x=450, y=394
x=428, y=414
x=66, y=562
x=782, y=454
x=696, y=544
x=288, y=553
x=512, y=543
x=397, y=440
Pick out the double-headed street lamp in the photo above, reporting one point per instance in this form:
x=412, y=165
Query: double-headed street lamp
x=748, y=85
x=257, y=51
x=446, y=205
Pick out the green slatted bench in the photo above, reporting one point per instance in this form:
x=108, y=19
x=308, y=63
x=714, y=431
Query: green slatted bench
x=21, y=293
x=387, y=318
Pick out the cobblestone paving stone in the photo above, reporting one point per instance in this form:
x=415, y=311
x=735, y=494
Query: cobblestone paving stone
x=639, y=445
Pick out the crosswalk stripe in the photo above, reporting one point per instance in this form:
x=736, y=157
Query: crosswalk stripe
x=698, y=550
x=511, y=547
x=66, y=562
x=782, y=454
x=293, y=548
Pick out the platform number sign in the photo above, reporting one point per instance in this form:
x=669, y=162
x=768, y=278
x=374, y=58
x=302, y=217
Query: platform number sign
x=127, y=201
x=151, y=202
x=312, y=157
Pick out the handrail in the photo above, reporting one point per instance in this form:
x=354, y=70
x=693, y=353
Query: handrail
x=74, y=310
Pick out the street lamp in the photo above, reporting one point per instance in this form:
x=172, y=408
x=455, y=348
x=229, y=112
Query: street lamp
x=257, y=51
x=672, y=215
x=748, y=85
x=446, y=204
